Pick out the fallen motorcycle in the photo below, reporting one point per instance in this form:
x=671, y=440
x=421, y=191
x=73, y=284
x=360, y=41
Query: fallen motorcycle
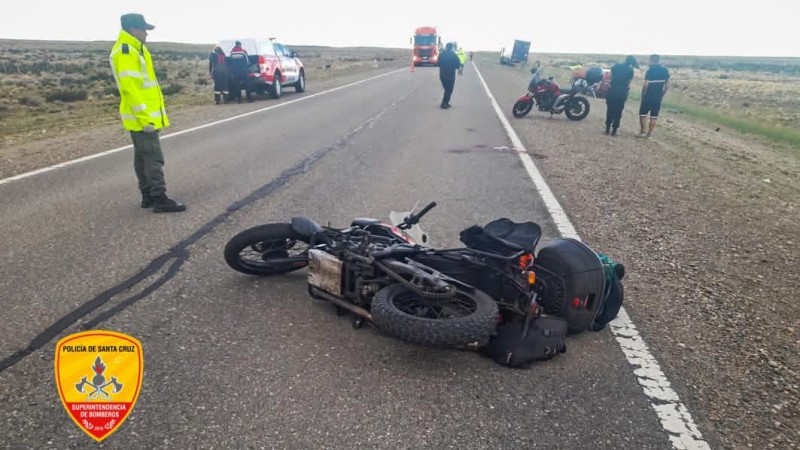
x=372, y=270
x=491, y=291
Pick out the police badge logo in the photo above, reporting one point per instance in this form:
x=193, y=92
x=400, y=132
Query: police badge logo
x=99, y=376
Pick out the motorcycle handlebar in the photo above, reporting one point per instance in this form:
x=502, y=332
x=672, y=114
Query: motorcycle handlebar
x=424, y=211
x=414, y=218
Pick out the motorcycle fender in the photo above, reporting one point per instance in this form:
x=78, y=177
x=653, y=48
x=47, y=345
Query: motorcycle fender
x=325, y=272
x=525, y=98
x=305, y=227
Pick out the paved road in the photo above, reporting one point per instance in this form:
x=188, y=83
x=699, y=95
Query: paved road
x=233, y=361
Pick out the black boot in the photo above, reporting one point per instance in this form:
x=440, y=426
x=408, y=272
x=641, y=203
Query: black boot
x=614, y=131
x=147, y=201
x=608, y=128
x=164, y=204
x=217, y=98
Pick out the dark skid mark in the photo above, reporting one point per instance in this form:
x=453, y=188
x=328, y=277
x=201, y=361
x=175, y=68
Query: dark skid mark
x=179, y=252
x=105, y=315
x=483, y=148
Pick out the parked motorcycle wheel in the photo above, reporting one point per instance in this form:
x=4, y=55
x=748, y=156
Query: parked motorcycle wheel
x=577, y=108
x=522, y=108
x=461, y=319
x=270, y=249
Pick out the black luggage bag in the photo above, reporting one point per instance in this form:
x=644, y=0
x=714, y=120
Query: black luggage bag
x=573, y=282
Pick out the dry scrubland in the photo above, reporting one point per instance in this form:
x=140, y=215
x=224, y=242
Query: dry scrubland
x=48, y=88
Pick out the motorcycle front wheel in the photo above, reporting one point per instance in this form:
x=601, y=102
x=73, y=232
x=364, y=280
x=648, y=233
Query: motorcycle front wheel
x=270, y=249
x=522, y=108
x=461, y=319
x=577, y=108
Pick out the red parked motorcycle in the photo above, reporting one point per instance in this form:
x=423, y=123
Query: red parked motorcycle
x=549, y=97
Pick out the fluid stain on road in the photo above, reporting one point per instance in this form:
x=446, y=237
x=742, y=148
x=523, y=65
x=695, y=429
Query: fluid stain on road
x=483, y=148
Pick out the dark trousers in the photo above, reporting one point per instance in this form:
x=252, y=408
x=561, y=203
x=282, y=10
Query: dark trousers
x=221, y=79
x=615, y=103
x=148, y=162
x=448, y=85
x=239, y=81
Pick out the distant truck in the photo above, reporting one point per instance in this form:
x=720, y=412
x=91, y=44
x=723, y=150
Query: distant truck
x=426, y=46
x=519, y=54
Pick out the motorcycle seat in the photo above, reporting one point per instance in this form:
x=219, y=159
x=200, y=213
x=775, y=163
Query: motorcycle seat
x=525, y=235
x=566, y=90
x=503, y=237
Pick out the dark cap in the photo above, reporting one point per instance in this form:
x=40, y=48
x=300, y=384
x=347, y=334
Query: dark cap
x=130, y=21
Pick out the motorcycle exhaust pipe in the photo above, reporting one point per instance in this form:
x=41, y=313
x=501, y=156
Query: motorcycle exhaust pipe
x=357, y=310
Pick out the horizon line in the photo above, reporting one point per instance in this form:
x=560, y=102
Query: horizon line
x=549, y=52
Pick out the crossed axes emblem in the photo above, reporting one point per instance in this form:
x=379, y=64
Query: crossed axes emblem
x=98, y=383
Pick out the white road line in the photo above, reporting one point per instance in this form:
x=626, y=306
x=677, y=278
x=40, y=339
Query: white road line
x=674, y=416
x=189, y=130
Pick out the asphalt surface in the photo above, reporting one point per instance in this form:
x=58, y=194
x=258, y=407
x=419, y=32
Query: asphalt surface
x=234, y=361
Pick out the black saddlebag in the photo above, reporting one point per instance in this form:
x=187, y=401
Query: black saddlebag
x=573, y=282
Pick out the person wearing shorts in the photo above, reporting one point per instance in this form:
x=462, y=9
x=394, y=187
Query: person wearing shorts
x=656, y=84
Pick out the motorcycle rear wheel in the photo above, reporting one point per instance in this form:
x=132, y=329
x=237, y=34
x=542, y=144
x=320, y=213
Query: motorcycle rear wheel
x=522, y=108
x=462, y=319
x=270, y=249
x=577, y=108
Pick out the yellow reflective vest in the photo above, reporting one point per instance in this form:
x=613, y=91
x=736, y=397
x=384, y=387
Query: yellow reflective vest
x=140, y=99
x=462, y=56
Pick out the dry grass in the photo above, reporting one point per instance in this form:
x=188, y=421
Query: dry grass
x=53, y=86
x=752, y=95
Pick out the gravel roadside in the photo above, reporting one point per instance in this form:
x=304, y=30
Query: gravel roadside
x=708, y=226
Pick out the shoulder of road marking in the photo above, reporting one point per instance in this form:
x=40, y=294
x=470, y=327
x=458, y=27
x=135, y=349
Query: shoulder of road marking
x=675, y=418
x=189, y=130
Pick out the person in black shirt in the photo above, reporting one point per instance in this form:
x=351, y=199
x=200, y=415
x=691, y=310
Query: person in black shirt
x=448, y=64
x=656, y=84
x=621, y=76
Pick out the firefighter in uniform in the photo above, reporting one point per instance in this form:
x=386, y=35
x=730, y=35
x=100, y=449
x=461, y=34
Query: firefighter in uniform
x=239, y=62
x=141, y=108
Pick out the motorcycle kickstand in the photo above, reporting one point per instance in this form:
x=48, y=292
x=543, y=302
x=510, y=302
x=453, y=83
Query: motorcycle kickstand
x=358, y=321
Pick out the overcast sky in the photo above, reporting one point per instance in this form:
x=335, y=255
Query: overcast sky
x=684, y=27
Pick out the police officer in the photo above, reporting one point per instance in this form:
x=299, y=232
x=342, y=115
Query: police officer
x=462, y=56
x=141, y=108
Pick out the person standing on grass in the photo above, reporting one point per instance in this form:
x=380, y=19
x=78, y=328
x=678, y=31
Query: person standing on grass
x=656, y=84
x=448, y=65
x=218, y=69
x=621, y=76
x=141, y=108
